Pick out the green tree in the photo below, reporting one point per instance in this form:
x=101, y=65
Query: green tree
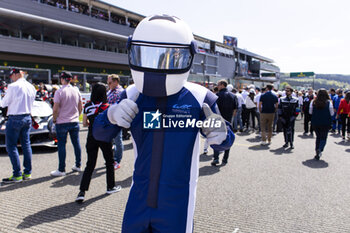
x=283, y=85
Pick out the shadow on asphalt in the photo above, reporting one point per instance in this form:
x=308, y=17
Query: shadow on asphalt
x=282, y=150
x=256, y=139
x=43, y=150
x=57, y=213
x=24, y=184
x=259, y=147
x=3, y=152
x=244, y=133
x=35, y=150
x=313, y=163
x=305, y=136
x=347, y=150
x=125, y=183
x=128, y=146
x=208, y=170
x=205, y=157
x=335, y=135
x=342, y=143
x=74, y=178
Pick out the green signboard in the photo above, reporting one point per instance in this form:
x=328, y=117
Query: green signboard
x=268, y=74
x=301, y=74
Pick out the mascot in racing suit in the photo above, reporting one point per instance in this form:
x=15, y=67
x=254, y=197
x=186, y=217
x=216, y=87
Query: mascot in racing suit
x=166, y=115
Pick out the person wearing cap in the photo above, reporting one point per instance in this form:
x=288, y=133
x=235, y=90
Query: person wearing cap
x=288, y=110
x=19, y=99
x=66, y=110
x=251, y=109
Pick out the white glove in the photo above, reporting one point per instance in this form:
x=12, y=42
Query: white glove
x=215, y=135
x=123, y=113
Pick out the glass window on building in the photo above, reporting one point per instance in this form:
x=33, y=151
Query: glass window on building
x=31, y=31
x=84, y=41
x=69, y=38
x=100, y=44
x=9, y=27
x=51, y=35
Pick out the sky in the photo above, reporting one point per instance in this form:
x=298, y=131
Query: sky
x=299, y=35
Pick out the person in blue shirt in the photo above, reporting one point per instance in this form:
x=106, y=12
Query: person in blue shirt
x=332, y=94
x=268, y=105
x=336, y=101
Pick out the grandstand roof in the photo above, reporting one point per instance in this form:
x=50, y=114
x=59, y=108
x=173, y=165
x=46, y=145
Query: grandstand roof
x=259, y=57
x=114, y=9
x=63, y=25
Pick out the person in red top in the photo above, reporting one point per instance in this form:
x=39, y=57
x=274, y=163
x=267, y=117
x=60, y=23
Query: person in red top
x=41, y=93
x=343, y=113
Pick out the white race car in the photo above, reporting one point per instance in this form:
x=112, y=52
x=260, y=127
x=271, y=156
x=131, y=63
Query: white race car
x=44, y=135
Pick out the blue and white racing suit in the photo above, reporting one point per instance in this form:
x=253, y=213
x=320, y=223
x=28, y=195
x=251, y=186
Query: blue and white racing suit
x=162, y=196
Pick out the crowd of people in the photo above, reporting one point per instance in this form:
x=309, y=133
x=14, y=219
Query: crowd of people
x=264, y=111
x=84, y=9
x=267, y=111
x=67, y=107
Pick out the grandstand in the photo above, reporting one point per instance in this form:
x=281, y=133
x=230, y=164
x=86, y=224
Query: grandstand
x=88, y=38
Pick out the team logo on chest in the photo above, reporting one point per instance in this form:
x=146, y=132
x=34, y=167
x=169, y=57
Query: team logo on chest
x=152, y=120
x=177, y=117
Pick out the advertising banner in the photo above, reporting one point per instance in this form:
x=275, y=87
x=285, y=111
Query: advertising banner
x=230, y=41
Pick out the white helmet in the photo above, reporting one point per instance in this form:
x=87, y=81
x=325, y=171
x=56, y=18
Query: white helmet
x=229, y=87
x=251, y=86
x=161, y=53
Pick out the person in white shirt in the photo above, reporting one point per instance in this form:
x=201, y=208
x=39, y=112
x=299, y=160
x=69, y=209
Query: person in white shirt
x=19, y=99
x=244, y=94
x=256, y=101
x=301, y=102
x=237, y=120
x=251, y=109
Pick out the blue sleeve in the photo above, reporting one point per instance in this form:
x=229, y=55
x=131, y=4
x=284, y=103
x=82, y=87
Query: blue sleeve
x=122, y=96
x=230, y=138
x=102, y=129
